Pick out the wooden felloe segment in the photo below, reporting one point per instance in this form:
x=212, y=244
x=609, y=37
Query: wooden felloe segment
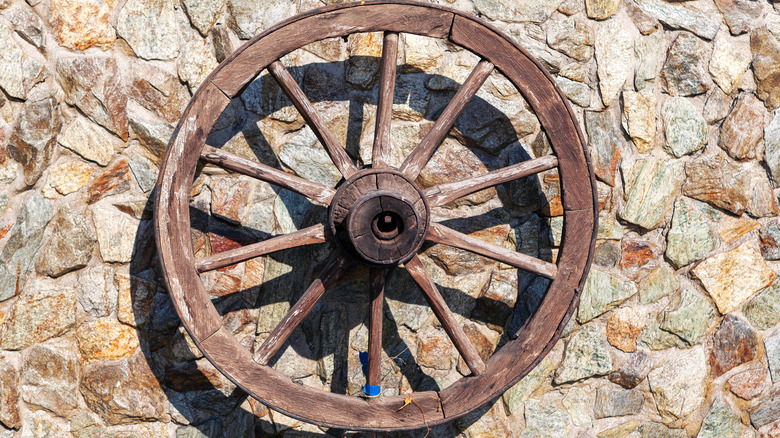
x=489, y=378
x=306, y=236
x=313, y=190
x=416, y=160
x=451, y=325
x=238, y=70
x=384, y=107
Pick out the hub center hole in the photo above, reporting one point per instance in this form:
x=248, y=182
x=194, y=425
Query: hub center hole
x=387, y=225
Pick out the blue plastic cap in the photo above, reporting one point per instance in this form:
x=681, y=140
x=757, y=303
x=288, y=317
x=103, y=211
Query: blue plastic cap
x=372, y=390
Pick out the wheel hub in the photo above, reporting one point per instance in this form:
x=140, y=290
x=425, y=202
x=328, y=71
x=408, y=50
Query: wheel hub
x=379, y=216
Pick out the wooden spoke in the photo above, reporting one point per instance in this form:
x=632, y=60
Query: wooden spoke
x=384, y=109
x=416, y=160
x=337, y=265
x=448, y=192
x=439, y=233
x=313, y=190
x=337, y=153
x=374, y=374
x=445, y=315
x=306, y=236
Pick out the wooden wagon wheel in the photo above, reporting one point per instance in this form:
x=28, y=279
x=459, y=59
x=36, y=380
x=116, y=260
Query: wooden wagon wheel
x=378, y=215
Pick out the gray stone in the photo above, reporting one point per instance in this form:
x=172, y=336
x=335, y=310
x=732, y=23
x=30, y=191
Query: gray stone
x=684, y=127
x=741, y=131
x=601, y=9
x=658, y=284
x=578, y=403
x=658, y=430
x=717, y=106
x=679, y=384
x=144, y=170
x=247, y=20
x=685, y=67
x=536, y=11
x=650, y=190
x=203, y=13
x=18, y=72
x=116, y=233
x=123, y=391
x=772, y=345
x=308, y=159
x=633, y=372
x=739, y=14
x=150, y=28
x=572, y=36
x=577, y=92
x=698, y=16
x=607, y=254
x=96, y=291
x=153, y=134
x=37, y=316
x=763, y=310
x=587, y=355
x=769, y=240
x=606, y=142
x=196, y=62
x=732, y=277
x=541, y=418
x=28, y=25
x=70, y=245
x=614, y=56
x=617, y=403
x=89, y=141
x=94, y=85
x=719, y=181
x=772, y=148
x=16, y=257
x=515, y=396
x=50, y=376
x=689, y=239
x=34, y=137
x=688, y=317
x=9, y=390
x=766, y=409
x=733, y=344
x=730, y=59
x=648, y=50
x=766, y=57
x=602, y=292
x=41, y=424
x=720, y=422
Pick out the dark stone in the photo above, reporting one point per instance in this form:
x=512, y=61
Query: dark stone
x=633, y=372
x=685, y=66
x=34, y=137
x=733, y=344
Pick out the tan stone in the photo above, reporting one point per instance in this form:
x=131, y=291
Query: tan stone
x=743, y=128
x=639, y=118
x=421, y=53
x=766, y=62
x=601, y=9
x=81, y=24
x=38, y=316
x=623, y=327
x=434, y=350
x=69, y=177
x=730, y=59
x=88, y=140
x=135, y=298
x=731, y=228
x=106, y=339
x=733, y=277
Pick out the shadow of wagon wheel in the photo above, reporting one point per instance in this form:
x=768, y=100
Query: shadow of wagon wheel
x=200, y=398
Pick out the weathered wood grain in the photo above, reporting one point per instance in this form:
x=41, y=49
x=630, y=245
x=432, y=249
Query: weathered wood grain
x=417, y=159
x=306, y=236
x=439, y=233
x=448, y=321
x=291, y=88
x=448, y=192
x=376, y=301
x=384, y=107
x=336, y=266
x=312, y=190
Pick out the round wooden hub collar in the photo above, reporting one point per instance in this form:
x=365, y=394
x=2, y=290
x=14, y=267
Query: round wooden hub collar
x=380, y=217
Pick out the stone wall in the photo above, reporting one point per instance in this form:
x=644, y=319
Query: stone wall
x=678, y=330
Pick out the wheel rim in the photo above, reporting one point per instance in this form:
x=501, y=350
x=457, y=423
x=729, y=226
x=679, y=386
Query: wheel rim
x=490, y=378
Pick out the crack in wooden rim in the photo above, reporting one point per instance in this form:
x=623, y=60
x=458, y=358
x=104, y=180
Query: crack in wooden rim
x=512, y=361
